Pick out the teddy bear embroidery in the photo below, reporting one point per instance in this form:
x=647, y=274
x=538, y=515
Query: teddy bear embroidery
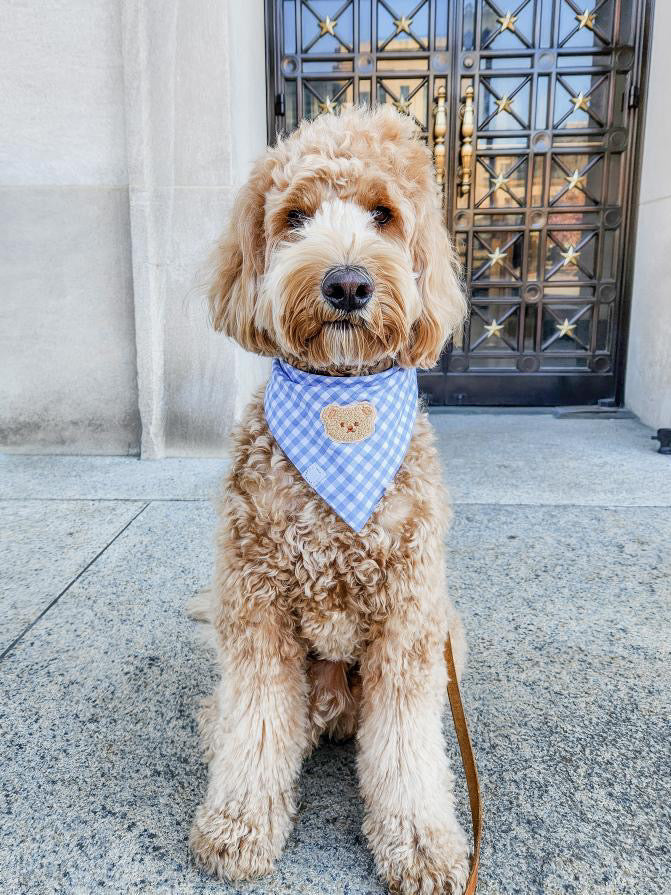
x=347, y=423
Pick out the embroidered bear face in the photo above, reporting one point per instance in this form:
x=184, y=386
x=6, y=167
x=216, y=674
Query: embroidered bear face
x=346, y=423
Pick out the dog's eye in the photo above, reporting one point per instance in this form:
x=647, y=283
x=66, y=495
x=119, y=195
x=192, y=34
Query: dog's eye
x=296, y=218
x=381, y=215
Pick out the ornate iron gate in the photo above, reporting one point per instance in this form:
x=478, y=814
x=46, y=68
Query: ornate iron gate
x=531, y=113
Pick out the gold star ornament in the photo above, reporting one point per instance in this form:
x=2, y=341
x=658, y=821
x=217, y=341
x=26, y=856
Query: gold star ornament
x=499, y=181
x=507, y=22
x=569, y=256
x=586, y=19
x=565, y=328
x=327, y=26
x=580, y=102
x=403, y=105
x=496, y=257
x=328, y=105
x=402, y=24
x=493, y=329
x=575, y=180
x=504, y=104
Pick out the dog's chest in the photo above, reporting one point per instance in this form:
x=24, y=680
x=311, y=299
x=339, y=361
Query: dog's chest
x=333, y=634
x=340, y=588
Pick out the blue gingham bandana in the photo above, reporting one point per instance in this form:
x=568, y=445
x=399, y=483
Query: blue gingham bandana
x=346, y=435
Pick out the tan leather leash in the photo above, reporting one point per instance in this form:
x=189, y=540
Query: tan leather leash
x=468, y=761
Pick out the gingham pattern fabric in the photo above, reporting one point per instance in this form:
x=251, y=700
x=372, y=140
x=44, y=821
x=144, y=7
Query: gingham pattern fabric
x=351, y=478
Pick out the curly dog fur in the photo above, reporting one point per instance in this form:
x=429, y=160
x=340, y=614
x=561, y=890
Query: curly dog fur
x=321, y=630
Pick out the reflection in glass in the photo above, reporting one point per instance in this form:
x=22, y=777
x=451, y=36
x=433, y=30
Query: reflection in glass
x=364, y=91
x=500, y=181
x=290, y=105
x=542, y=85
x=407, y=29
x=570, y=254
x=499, y=220
x=580, y=100
x=364, y=26
x=586, y=24
x=530, y=318
x=497, y=255
x=576, y=179
x=557, y=362
x=493, y=63
x=325, y=96
x=494, y=327
x=603, y=326
x=469, y=25
x=408, y=95
x=533, y=256
x=503, y=103
x=609, y=254
x=440, y=38
x=510, y=31
x=328, y=65
x=566, y=327
x=327, y=27
x=289, y=19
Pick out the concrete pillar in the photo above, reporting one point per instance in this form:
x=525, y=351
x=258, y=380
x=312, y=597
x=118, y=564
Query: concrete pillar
x=194, y=74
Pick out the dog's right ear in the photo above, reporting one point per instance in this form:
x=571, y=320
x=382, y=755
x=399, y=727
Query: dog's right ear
x=239, y=262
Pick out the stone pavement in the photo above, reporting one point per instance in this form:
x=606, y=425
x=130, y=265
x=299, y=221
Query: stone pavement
x=560, y=562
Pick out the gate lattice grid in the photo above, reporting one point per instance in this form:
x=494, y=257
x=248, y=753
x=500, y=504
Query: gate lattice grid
x=531, y=112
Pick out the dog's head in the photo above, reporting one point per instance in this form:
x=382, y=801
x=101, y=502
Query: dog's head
x=337, y=255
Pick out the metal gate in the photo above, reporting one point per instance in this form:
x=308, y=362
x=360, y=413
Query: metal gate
x=531, y=111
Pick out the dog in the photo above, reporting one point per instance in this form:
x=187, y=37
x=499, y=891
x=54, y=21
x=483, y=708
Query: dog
x=338, y=263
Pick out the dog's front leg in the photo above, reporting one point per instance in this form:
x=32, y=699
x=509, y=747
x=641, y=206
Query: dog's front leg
x=256, y=732
x=405, y=778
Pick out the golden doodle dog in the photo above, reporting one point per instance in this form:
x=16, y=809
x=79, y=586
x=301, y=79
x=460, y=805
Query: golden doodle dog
x=336, y=262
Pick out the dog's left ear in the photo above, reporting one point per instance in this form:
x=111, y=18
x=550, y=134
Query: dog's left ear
x=444, y=305
x=239, y=264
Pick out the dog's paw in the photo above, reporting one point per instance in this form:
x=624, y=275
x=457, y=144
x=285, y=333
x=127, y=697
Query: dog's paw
x=232, y=844
x=419, y=859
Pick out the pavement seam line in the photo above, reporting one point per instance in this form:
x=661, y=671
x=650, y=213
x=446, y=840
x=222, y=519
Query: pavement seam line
x=55, y=600
x=106, y=499
x=454, y=503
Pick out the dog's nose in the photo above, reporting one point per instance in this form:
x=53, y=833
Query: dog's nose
x=347, y=288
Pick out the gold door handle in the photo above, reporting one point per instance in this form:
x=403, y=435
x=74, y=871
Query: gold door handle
x=467, y=130
x=439, y=131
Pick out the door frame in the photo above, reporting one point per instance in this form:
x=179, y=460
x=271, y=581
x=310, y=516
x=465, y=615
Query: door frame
x=630, y=222
x=575, y=388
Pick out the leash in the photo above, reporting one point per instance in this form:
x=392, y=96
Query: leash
x=468, y=761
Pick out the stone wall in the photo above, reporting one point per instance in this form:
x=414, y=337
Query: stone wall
x=67, y=339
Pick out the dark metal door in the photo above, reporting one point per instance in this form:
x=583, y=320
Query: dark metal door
x=531, y=112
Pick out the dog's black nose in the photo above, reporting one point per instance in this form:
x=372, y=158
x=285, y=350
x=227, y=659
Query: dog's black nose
x=347, y=288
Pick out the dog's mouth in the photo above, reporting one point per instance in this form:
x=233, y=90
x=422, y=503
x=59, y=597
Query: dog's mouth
x=341, y=325
x=343, y=344
x=337, y=326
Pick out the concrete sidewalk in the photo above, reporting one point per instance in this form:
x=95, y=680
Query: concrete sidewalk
x=560, y=561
